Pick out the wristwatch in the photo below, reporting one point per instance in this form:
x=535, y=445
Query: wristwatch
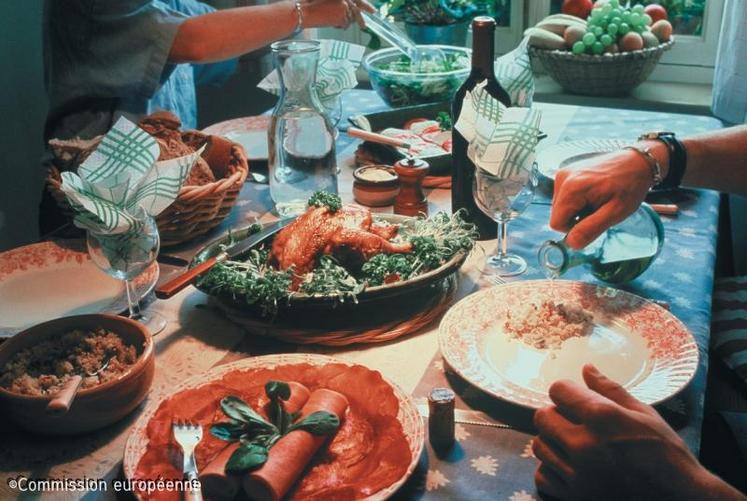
x=677, y=158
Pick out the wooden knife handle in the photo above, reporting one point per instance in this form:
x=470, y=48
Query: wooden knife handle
x=61, y=403
x=376, y=138
x=665, y=209
x=178, y=283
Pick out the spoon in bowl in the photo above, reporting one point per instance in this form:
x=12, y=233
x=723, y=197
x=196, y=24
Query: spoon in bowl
x=61, y=403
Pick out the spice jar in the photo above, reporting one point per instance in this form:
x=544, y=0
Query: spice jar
x=411, y=200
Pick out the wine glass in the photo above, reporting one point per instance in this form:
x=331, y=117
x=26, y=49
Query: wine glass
x=125, y=255
x=503, y=199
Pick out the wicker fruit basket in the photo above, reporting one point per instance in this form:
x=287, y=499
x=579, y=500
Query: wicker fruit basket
x=198, y=208
x=603, y=75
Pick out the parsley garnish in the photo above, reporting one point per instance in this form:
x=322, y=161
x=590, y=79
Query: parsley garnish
x=325, y=199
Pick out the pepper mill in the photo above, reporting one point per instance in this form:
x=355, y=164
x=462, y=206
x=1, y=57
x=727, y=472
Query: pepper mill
x=411, y=200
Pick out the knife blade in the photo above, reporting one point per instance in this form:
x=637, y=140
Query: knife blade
x=178, y=283
x=464, y=416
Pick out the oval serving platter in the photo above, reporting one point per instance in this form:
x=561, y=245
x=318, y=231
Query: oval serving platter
x=378, y=294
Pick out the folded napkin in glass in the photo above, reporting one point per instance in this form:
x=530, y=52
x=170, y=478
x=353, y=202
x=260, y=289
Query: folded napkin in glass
x=121, y=175
x=338, y=62
x=514, y=72
x=501, y=140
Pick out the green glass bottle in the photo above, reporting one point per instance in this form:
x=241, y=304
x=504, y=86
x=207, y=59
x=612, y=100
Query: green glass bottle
x=619, y=255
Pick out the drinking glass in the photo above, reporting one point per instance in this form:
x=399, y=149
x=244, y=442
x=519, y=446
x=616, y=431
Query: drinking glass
x=503, y=199
x=124, y=256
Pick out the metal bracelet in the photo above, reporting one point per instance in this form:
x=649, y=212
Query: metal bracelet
x=653, y=163
x=299, y=18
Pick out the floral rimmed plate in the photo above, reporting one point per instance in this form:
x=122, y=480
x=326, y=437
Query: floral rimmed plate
x=634, y=341
x=553, y=158
x=406, y=414
x=249, y=132
x=47, y=280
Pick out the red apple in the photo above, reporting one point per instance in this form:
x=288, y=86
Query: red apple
x=657, y=12
x=578, y=8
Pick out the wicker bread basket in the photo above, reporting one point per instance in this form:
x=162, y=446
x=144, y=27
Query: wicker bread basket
x=197, y=209
x=603, y=75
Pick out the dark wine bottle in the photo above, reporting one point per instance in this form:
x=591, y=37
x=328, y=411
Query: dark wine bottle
x=463, y=170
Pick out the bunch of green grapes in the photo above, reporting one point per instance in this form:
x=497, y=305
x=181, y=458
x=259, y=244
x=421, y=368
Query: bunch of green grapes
x=609, y=23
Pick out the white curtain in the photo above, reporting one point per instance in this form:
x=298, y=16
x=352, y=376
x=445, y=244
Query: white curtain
x=730, y=76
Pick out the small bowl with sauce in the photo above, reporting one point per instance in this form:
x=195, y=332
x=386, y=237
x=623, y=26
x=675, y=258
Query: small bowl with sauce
x=375, y=185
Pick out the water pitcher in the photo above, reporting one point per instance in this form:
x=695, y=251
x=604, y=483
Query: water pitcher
x=301, y=136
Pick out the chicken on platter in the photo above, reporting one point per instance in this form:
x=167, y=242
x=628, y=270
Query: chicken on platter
x=335, y=250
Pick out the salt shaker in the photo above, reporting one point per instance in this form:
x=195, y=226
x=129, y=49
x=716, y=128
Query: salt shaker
x=441, y=403
x=411, y=200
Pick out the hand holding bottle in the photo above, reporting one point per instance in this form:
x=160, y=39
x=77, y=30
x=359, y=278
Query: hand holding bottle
x=613, y=186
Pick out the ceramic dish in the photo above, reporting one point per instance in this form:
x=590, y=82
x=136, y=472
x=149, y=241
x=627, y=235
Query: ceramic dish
x=634, y=341
x=553, y=158
x=407, y=414
x=375, y=185
x=249, y=132
x=47, y=280
x=93, y=408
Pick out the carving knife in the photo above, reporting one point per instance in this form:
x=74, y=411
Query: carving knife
x=178, y=283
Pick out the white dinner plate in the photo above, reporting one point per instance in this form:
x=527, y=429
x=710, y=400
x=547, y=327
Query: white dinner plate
x=635, y=342
x=407, y=415
x=553, y=158
x=48, y=280
x=249, y=132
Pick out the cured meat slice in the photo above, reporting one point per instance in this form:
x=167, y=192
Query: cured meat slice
x=219, y=485
x=291, y=454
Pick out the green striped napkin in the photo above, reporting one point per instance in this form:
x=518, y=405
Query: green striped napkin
x=501, y=140
x=338, y=62
x=514, y=72
x=121, y=174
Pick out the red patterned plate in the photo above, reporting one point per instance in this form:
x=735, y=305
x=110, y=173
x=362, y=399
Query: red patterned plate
x=249, y=132
x=388, y=400
x=48, y=280
x=634, y=341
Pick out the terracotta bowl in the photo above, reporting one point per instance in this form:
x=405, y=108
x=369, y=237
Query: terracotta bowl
x=93, y=408
x=374, y=192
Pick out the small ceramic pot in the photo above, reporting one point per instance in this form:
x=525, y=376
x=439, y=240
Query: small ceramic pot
x=375, y=185
x=93, y=408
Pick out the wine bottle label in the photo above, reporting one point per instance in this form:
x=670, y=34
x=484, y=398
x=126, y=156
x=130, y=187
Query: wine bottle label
x=501, y=140
x=514, y=72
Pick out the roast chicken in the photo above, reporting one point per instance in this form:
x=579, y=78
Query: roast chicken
x=349, y=235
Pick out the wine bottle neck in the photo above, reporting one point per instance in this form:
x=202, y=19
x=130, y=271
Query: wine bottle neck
x=556, y=258
x=483, y=49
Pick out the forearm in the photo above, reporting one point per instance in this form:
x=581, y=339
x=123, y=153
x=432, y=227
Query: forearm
x=708, y=487
x=229, y=33
x=718, y=160
x=715, y=160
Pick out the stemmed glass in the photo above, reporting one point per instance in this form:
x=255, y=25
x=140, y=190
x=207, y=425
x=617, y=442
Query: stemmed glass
x=125, y=255
x=503, y=199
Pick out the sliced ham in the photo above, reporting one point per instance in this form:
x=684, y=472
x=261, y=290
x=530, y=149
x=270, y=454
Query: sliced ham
x=291, y=454
x=219, y=485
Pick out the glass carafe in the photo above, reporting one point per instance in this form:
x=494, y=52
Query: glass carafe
x=619, y=255
x=301, y=136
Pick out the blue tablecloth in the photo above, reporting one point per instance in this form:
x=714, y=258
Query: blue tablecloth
x=491, y=463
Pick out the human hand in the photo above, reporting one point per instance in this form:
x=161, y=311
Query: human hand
x=612, y=186
x=336, y=13
x=602, y=443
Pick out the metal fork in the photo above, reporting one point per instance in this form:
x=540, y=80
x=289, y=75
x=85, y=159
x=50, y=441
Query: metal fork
x=496, y=279
x=188, y=435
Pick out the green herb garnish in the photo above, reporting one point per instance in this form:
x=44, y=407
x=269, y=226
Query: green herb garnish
x=444, y=120
x=258, y=435
x=324, y=199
